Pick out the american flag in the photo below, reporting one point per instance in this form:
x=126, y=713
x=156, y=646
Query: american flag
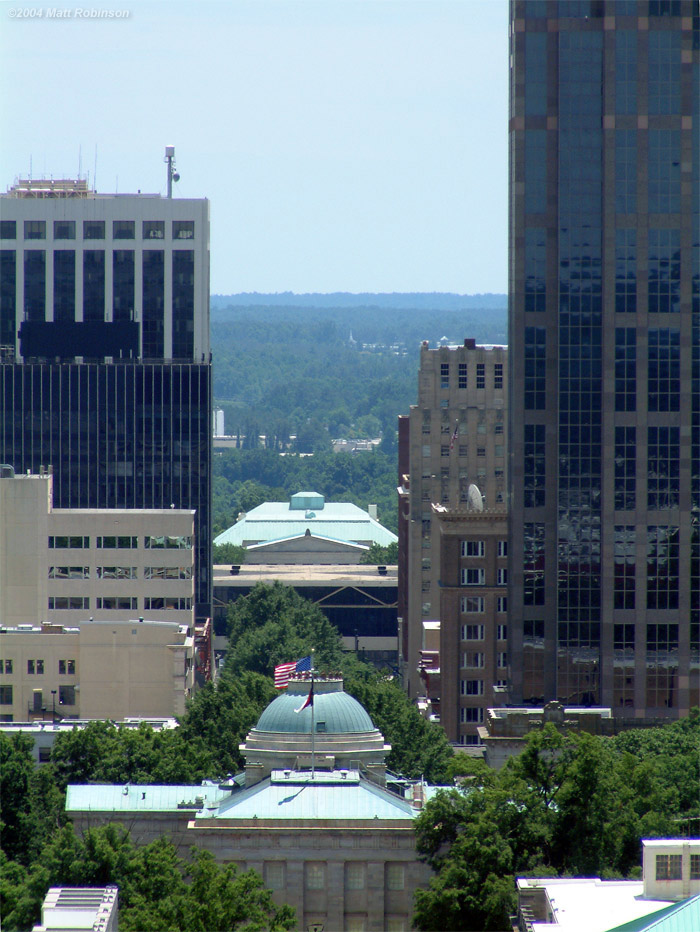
x=285, y=670
x=454, y=435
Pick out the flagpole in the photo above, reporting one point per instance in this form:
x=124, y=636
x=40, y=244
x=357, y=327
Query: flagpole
x=313, y=756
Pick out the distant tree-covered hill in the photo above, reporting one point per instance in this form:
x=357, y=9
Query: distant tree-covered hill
x=428, y=301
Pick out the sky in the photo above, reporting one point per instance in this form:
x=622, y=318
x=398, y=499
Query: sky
x=344, y=145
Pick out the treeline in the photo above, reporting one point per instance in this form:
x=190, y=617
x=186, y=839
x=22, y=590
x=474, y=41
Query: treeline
x=346, y=371
x=406, y=300
x=244, y=479
x=569, y=805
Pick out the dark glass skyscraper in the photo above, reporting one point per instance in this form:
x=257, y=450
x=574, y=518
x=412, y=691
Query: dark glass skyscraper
x=104, y=350
x=604, y=288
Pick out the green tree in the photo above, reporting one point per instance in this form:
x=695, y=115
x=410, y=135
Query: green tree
x=418, y=747
x=273, y=625
x=377, y=555
x=227, y=553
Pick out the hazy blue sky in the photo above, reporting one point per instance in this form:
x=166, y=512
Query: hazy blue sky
x=345, y=145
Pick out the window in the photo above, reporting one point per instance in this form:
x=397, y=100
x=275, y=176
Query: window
x=35, y=229
x=5, y=695
x=503, y=548
x=116, y=572
x=535, y=368
x=534, y=465
x=445, y=449
x=469, y=716
x=64, y=229
x=93, y=229
x=473, y=576
x=66, y=695
x=462, y=375
x=183, y=229
x=154, y=229
x=472, y=687
x=7, y=665
x=625, y=369
x=72, y=602
x=669, y=866
x=498, y=375
x=425, y=563
x=463, y=449
x=167, y=543
x=117, y=543
x=44, y=755
x=123, y=229
x=315, y=875
x=664, y=373
x=695, y=866
x=501, y=577
x=502, y=659
x=472, y=548
x=66, y=667
x=472, y=605
x=118, y=603
x=501, y=632
x=69, y=572
x=502, y=603
x=481, y=375
x=395, y=877
x=8, y=229
x=472, y=632
x=444, y=375
x=355, y=876
x=167, y=603
x=472, y=659
x=625, y=467
x=167, y=572
x=69, y=543
x=273, y=871
x=35, y=666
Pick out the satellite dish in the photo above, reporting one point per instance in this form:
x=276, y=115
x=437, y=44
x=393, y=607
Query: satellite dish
x=475, y=498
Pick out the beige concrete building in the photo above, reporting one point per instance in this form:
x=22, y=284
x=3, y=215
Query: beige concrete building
x=98, y=669
x=67, y=564
x=456, y=455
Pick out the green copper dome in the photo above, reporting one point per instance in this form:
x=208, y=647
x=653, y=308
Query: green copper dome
x=335, y=712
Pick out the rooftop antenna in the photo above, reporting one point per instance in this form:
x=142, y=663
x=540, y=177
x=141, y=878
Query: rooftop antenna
x=172, y=174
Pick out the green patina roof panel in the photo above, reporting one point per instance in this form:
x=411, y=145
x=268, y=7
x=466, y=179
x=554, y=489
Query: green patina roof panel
x=139, y=798
x=341, y=713
x=679, y=917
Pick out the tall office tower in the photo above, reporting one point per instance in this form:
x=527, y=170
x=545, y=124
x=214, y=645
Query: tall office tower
x=453, y=447
x=605, y=354
x=104, y=350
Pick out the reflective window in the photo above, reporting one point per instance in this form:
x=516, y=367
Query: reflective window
x=662, y=567
x=664, y=271
x=664, y=171
x=663, y=482
x=625, y=71
x=93, y=229
x=8, y=229
x=535, y=368
x=626, y=271
x=123, y=229
x=35, y=229
x=64, y=229
x=94, y=284
x=533, y=563
x=535, y=73
x=153, y=304
x=625, y=566
x=535, y=268
x=536, y=171
x=625, y=369
x=534, y=465
x=153, y=229
x=664, y=383
x=34, y=284
x=183, y=229
x=625, y=468
x=64, y=284
x=123, y=282
x=664, y=69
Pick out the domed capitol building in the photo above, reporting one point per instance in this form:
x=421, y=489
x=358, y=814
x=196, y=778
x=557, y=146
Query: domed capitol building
x=315, y=813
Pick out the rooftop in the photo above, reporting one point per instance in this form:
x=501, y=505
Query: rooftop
x=306, y=574
x=115, y=797
x=336, y=710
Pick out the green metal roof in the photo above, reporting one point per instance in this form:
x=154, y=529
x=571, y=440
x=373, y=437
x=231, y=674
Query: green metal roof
x=679, y=917
x=301, y=798
x=276, y=520
x=341, y=713
x=140, y=798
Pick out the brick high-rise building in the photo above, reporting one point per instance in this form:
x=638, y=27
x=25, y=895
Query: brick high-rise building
x=452, y=449
x=604, y=348
x=105, y=370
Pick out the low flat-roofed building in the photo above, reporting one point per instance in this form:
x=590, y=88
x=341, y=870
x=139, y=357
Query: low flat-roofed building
x=97, y=669
x=360, y=600
x=76, y=909
x=670, y=875
x=44, y=734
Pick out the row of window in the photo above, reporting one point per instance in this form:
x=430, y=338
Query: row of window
x=462, y=375
x=476, y=576
x=66, y=696
x=476, y=660
x=475, y=548
x=446, y=449
x=95, y=229
x=120, y=572
x=121, y=542
x=36, y=667
x=670, y=867
x=477, y=632
x=476, y=604
x=120, y=603
x=315, y=875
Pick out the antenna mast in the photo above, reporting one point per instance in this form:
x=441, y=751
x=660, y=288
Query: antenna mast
x=170, y=162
